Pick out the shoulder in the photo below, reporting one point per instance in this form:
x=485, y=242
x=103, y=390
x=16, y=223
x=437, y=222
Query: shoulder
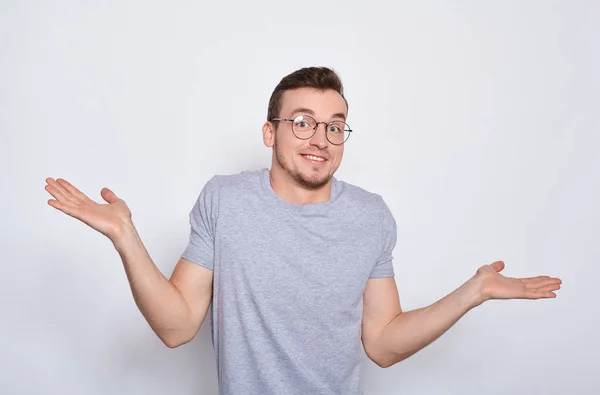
x=373, y=206
x=234, y=187
x=361, y=203
x=358, y=195
x=243, y=181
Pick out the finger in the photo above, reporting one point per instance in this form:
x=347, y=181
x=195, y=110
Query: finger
x=76, y=193
x=66, y=208
x=542, y=282
x=58, y=191
x=498, y=266
x=541, y=293
x=529, y=279
x=539, y=279
x=109, y=195
x=545, y=295
x=547, y=288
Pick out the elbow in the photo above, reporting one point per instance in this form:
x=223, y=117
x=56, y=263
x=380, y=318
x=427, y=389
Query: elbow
x=386, y=360
x=173, y=341
x=385, y=365
x=176, y=336
x=383, y=361
x=392, y=359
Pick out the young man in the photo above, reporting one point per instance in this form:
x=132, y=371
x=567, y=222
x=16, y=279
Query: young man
x=297, y=264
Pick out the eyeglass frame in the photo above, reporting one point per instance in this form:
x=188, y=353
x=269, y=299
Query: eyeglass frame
x=349, y=130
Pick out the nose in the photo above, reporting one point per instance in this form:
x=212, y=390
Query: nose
x=319, y=139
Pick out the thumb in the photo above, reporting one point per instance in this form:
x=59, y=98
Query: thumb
x=109, y=195
x=498, y=266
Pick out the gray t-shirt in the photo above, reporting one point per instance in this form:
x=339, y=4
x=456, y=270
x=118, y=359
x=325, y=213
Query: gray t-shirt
x=288, y=282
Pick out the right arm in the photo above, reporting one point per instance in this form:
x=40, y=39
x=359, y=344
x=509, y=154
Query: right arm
x=175, y=308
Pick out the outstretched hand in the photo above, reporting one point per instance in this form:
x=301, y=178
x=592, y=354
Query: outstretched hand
x=496, y=286
x=109, y=219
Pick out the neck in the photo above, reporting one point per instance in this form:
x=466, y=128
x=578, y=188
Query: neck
x=292, y=192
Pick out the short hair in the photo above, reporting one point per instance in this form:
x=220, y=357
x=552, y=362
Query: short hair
x=322, y=78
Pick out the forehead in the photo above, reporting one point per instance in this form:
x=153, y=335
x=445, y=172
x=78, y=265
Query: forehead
x=324, y=103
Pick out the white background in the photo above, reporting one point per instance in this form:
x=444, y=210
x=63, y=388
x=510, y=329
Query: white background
x=477, y=121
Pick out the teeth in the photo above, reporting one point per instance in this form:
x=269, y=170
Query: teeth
x=314, y=158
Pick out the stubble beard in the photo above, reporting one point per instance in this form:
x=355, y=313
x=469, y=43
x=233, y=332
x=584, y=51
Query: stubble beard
x=296, y=175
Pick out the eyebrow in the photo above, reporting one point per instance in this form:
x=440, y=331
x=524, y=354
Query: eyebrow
x=311, y=112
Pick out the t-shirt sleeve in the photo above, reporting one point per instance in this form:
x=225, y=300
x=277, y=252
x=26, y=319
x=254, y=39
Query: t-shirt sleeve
x=384, y=266
x=203, y=224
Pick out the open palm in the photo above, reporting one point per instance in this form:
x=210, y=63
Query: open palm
x=108, y=219
x=496, y=286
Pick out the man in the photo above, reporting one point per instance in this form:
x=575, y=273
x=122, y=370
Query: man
x=297, y=264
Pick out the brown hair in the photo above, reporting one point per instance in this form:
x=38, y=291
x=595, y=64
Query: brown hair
x=321, y=78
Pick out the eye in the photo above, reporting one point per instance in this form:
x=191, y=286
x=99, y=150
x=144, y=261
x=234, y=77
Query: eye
x=302, y=123
x=336, y=127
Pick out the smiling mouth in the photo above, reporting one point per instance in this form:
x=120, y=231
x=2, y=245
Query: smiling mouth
x=314, y=158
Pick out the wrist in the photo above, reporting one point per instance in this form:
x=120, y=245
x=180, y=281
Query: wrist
x=123, y=234
x=474, y=291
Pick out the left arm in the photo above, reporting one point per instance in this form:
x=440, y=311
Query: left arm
x=390, y=335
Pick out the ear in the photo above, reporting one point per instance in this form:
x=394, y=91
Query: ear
x=268, y=131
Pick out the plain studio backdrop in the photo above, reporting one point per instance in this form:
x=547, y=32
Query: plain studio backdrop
x=477, y=122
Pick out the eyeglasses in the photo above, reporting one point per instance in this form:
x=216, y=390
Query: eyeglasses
x=305, y=126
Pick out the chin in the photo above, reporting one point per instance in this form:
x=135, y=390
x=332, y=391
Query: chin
x=305, y=174
x=314, y=181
